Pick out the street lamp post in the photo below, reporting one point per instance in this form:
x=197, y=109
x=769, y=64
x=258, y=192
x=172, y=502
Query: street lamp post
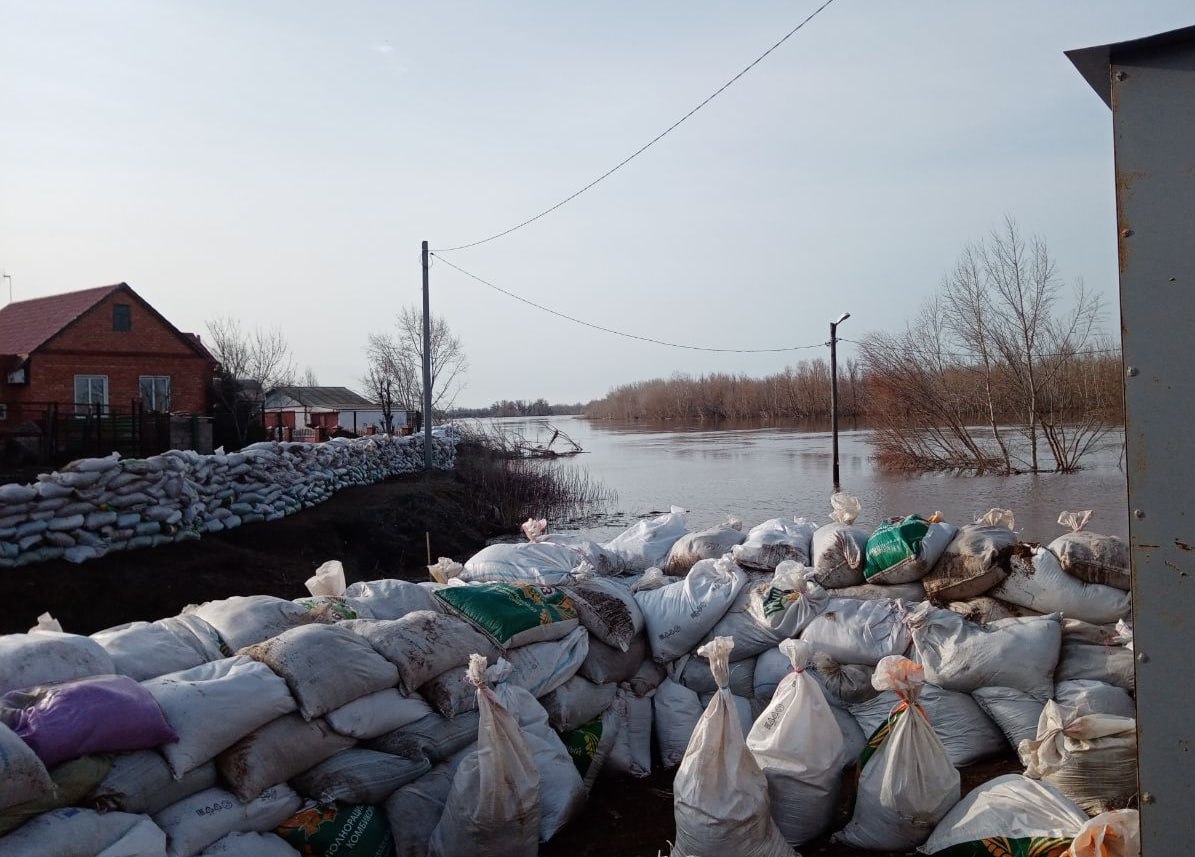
x=834, y=388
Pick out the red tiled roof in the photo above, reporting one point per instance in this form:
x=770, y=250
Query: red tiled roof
x=24, y=325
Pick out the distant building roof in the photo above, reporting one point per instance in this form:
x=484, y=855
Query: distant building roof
x=24, y=325
x=332, y=398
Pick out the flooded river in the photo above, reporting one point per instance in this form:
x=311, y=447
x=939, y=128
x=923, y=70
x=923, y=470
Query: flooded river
x=760, y=472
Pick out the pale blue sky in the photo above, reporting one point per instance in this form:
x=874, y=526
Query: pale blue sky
x=281, y=161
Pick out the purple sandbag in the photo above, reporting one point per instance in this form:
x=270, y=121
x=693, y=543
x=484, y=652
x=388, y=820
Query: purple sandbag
x=99, y=714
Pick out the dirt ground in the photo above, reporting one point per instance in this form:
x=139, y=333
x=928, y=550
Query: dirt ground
x=376, y=531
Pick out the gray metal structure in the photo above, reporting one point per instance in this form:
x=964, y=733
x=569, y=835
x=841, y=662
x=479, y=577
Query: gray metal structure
x=1150, y=85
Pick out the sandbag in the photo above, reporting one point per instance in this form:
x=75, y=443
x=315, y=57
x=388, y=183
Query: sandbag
x=343, y=830
x=903, y=551
x=432, y=736
x=214, y=705
x=907, y=783
x=243, y=620
x=854, y=631
x=720, y=796
x=631, y=753
x=144, y=650
x=1093, y=661
x=276, y=752
x=710, y=543
x=389, y=599
x=415, y=809
x=675, y=713
x=1037, y=581
x=73, y=781
x=677, y=616
x=358, y=776
x=1014, y=711
x=492, y=809
x=1090, y=758
x=513, y=614
x=984, y=610
x=839, y=549
x=959, y=655
x=911, y=592
x=536, y=562
x=325, y=666
x=604, y=664
x=74, y=832
x=842, y=684
x=797, y=744
x=647, y=543
x=774, y=541
x=789, y=601
x=327, y=580
x=141, y=782
x=966, y=733
x=591, y=744
x=1094, y=697
x=1116, y=833
x=1008, y=815
x=750, y=636
x=607, y=609
x=194, y=823
x=48, y=656
x=577, y=702
x=698, y=676
x=23, y=776
x=99, y=714
x=377, y=714
x=423, y=644
x=653, y=578
x=646, y=679
x=249, y=845
x=1091, y=557
x=975, y=560
x=770, y=667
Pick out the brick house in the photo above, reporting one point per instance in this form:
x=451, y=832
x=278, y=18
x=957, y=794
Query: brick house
x=100, y=350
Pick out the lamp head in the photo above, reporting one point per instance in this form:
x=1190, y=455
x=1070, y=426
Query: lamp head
x=843, y=318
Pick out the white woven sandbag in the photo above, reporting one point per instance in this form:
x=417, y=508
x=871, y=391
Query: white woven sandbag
x=243, y=620
x=647, y=543
x=959, y=655
x=415, y=809
x=1009, y=807
x=1094, y=697
x=276, y=752
x=377, y=713
x=74, y=832
x=604, y=664
x=646, y=679
x=576, y=702
x=675, y=712
x=492, y=809
x=327, y=580
x=1014, y=711
x=1036, y=580
x=842, y=684
x=797, y=744
x=607, y=609
x=770, y=667
x=142, y=782
x=750, y=636
x=143, y=650
x=194, y=823
x=789, y=601
x=423, y=644
x=720, y=796
x=908, y=784
x=23, y=777
x=1090, y=758
x=853, y=739
x=972, y=563
x=1083, y=658
x=250, y=845
x=1115, y=833
x=839, y=549
x=325, y=666
x=42, y=657
x=965, y=731
x=698, y=676
x=1091, y=557
x=677, y=616
x=389, y=599
x=910, y=592
x=540, y=562
x=433, y=736
x=710, y=543
x=984, y=610
x=744, y=706
x=631, y=753
x=774, y=541
x=358, y=776
x=854, y=631
x=212, y=706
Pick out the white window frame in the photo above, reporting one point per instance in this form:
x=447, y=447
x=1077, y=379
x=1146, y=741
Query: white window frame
x=152, y=403
x=83, y=404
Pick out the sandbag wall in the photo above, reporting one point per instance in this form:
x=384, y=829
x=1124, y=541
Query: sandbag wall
x=357, y=704
x=96, y=505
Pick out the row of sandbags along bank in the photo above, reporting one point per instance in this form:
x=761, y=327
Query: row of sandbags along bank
x=96, y=505
x=781, y=668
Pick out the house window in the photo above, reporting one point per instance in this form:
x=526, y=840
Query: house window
x=3, y=412
x=122, y=317
x=155, y=392
x=90, y=391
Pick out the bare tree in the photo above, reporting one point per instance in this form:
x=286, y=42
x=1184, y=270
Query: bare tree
x=251, y=364
x=396, y=358
x=379, y=384
x=309, y=379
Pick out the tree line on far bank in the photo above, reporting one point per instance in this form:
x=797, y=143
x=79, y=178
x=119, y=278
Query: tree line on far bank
x=1001, y=371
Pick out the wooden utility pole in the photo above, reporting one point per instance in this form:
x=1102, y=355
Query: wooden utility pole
x=427, y=368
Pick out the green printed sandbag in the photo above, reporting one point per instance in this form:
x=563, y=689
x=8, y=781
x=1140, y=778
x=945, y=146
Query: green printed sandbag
x=513, y=614
x=334, y=828
x=589, y=745
x=902, y=551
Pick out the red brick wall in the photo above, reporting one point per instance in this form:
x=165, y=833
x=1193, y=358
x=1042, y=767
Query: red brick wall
x=90, y=346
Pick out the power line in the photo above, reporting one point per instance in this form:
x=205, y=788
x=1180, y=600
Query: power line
x=622, y=333
x=648, y=145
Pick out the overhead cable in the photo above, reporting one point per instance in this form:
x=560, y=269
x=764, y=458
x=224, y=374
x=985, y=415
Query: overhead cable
x=647, y=145
x=623, y=333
